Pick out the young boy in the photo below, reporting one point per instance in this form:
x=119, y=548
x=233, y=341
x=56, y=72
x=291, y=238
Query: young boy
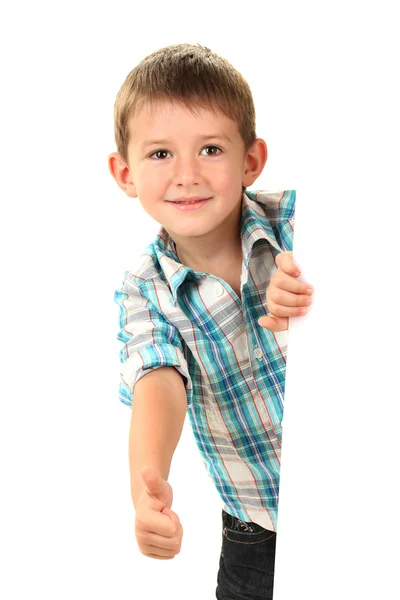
x=193, y=312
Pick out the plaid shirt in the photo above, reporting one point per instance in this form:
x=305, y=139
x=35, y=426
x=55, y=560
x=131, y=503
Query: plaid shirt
x=234, y=370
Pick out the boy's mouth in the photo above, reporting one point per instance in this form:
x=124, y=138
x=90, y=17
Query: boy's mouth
x=189, y=200
x=189, y=205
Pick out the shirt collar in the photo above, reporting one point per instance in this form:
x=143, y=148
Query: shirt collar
x=254, y=226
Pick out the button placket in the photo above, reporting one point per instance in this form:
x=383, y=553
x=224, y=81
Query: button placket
x=258, y=353
x=219, y=290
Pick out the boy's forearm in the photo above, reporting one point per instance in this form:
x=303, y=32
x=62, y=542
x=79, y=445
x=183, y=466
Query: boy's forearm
x=158, y=414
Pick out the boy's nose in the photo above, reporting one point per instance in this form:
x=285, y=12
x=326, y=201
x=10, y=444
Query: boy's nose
x=186, y=172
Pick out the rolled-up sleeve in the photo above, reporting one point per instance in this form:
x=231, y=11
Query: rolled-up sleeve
x=149, y=341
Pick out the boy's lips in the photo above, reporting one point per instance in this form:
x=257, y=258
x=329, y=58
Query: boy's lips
x=190, y=199
x=189, y=205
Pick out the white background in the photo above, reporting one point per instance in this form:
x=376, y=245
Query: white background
x=324, y=84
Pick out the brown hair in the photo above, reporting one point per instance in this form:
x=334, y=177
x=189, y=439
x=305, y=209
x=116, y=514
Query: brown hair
x=191, y=75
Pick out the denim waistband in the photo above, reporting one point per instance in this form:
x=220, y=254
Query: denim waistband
x=236, y=524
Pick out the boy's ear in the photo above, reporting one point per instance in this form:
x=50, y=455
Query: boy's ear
x=122, y=174
x=254, y=162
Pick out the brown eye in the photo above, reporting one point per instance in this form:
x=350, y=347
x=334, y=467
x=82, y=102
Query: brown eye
x=158, y=152
x=214, y=148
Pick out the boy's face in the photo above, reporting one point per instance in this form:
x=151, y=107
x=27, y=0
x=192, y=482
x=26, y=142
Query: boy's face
x=175, y=154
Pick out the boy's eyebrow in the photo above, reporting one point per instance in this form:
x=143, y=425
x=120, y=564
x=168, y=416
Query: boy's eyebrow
x=201, y=137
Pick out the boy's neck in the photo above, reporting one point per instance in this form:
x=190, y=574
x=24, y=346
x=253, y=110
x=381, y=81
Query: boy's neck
x=211, y=259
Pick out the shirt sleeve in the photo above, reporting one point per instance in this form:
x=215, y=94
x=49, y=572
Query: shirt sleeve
x=285, y=228
x=149, y=341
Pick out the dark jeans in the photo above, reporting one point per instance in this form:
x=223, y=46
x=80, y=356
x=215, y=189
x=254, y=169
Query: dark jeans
x=246, y=565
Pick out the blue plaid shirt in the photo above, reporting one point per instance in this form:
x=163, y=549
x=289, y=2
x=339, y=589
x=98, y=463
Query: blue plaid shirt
x=234, y=370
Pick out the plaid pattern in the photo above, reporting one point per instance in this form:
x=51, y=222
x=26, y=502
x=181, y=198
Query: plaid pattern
x=234, y=370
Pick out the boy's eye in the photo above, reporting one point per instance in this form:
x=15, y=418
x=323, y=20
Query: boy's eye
x=215, y=148
x=166, y=152
x=158, y=152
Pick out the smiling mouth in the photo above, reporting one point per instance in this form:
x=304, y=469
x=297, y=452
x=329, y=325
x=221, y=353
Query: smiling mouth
x=189, y=201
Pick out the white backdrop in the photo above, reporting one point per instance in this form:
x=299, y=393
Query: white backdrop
x=324, y=85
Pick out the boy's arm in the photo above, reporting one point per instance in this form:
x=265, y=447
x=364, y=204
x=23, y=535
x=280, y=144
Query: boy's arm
x=158, y=415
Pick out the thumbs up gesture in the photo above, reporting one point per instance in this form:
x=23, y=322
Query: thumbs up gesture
x=158, y=529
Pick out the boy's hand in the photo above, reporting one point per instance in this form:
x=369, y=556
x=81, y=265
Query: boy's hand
x=286, y=297
x=158, y=529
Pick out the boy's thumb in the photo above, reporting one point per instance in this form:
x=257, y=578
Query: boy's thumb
x=152, y=480
x=273, y=323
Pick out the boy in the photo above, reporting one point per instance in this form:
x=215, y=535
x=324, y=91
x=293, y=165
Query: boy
x=192, y=314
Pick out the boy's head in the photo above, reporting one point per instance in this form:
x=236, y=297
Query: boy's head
x=166, y=107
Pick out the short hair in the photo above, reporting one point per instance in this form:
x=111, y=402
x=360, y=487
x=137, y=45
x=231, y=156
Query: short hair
x=191, y=75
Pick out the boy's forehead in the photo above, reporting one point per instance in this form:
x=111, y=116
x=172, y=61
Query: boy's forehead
x=166, y=114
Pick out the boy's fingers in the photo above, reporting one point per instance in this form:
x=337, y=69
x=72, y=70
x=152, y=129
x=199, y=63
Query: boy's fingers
x=287, y=283
x=158, y=524
x=173, y=516
x=279, y=297
x=285, y=261
x=283, y=312
x=160, y=541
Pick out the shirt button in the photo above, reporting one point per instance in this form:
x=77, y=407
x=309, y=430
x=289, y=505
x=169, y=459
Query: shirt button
x=258, y=353
x=219, y=290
